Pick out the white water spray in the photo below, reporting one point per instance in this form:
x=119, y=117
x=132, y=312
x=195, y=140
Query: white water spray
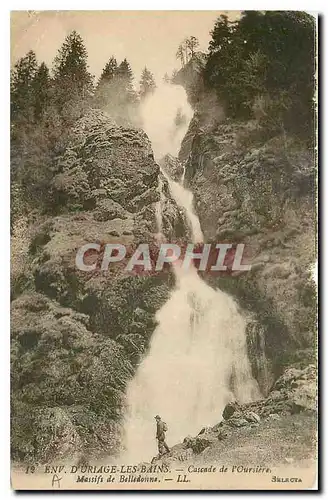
x=159, y=207
x=184, y=199
x=197, y=361
x=159, y=112
x=183, y=175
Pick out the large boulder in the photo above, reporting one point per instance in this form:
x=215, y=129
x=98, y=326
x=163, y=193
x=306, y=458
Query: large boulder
x=299, y=386
x=295, y=391
x=236, y=415
x=199, y=443
x=230, y=409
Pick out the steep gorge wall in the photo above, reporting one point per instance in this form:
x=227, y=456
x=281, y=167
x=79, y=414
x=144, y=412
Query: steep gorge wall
x=78, y=336
x=262, y=194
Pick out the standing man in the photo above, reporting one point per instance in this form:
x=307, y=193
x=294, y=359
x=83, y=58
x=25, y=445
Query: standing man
x=160, y=435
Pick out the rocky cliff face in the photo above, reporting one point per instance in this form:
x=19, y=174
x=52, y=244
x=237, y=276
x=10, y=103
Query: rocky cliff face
x=77, y=336
x=260, y=193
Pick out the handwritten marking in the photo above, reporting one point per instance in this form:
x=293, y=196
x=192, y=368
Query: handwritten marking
x=56, y=479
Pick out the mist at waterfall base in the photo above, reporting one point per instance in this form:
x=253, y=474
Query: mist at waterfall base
x=197, y=359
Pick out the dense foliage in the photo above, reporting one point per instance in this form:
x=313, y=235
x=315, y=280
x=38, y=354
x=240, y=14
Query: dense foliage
x=147, y=83
x=187, y=49
x=46, y=104
x=263, y=65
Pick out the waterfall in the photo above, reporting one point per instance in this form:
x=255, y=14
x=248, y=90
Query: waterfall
x=184, y=199
x=159, y=209
x=159, y=112
x=197, y=359
x=183, y=175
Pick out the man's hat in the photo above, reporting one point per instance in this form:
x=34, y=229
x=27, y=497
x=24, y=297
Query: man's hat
x=157, y=417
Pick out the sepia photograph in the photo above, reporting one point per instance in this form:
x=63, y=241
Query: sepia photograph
x=163, y=250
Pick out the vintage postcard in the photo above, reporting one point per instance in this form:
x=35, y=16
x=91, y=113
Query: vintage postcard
x=163, y=250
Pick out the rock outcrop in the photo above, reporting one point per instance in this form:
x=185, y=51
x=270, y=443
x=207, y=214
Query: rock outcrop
x=173, y=167
x=293, y=396
x=77, y=336
x=190, y=77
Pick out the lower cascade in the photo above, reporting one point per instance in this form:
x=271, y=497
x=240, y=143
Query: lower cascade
x=197, y=360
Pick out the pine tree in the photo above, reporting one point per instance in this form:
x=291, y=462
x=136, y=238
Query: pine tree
x=222, y=34
x=115, y=93
x=186, y=50
x=41, y=88
x=147, y=83
x=125, y=76
x=126, y=92
x=109, y=71
x=166, y=78
x=192, y=43
x=127, y=99
x=174, y=74
x=107, y=84
x=265, y=59
x=71, y=76
x=180, y=54
x=22, y=77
